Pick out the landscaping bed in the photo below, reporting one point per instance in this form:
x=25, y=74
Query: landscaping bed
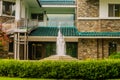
x=90, y=69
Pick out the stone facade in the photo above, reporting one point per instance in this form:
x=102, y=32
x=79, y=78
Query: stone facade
x=110, y=25
x=5, y=18
x=102, y=25
x=87, y=8
x=87, y=48
x=89, y=26
x=96, y=48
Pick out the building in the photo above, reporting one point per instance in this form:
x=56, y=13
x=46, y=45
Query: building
x=90, y=27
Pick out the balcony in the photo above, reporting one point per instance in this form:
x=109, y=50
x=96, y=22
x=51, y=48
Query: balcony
x=63, y=23
x=57, y=2
x=22, y=25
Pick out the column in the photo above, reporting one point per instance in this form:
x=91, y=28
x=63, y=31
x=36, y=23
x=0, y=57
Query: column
x=15, y=46
x=25, y=47
x=1, y=2
x=23, y=9
x=45, y=19
x=18, y=10
x=18, y=46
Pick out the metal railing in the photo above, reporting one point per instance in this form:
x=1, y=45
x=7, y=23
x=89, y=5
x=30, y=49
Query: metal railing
x=11, y=25
x=63, y=23
x=26, y=23
x=8, y=26
x=57, y=2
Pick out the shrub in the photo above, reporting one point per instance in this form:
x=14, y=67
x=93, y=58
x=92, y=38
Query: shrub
x=101, y=69
x=115, y=56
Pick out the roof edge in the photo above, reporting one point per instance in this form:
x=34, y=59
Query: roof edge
x=38, y=3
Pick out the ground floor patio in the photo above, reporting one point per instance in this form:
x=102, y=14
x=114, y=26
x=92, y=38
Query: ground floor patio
x=83, y=49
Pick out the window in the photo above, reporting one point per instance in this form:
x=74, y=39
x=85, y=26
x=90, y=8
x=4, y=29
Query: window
x=9, y=8
x=37, y=16
x=114, y=10
x=112, y=48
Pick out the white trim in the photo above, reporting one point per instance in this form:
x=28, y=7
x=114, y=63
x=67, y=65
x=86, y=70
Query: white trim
x=8, y=15
x=51, y=38
x=88, y=18
x=20, y=30
x=96, y=18
x=98, y=37
x=69, y=6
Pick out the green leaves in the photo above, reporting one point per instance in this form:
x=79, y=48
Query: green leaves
x=92, y=69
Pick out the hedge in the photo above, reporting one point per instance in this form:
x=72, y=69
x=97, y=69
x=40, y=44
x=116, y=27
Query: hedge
x=92, y=69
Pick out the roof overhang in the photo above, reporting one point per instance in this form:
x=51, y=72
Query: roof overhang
x=67, y=38
x=62, y=6
x=51, y=39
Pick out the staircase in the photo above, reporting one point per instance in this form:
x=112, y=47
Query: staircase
x=20, y=30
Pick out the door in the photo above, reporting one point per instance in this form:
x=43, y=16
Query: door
x=37, y=51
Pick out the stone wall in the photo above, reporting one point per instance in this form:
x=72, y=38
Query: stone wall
x=96, y=25
x=88, y=26
x=87, y=48
x=110, y=25
x=87, y=8
x=95, y=48
x=4, y=19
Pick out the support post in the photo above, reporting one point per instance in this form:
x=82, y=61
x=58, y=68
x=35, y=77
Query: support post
x=15, y=46
x=18, y=46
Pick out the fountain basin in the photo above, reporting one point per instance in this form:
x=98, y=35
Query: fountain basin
x=59, y=57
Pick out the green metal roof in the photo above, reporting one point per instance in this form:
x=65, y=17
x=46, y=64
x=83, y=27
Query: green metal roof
x=111, y=34
x=70, y=31
x=53, y=31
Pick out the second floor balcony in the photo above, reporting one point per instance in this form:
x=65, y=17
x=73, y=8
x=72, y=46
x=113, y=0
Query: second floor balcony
x=57, y=2
x=57, y=23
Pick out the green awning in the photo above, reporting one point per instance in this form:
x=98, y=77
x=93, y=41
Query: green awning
x=70, y=31
x=53, y=31
x=95, y=34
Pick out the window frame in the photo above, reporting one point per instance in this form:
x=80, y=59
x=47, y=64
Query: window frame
x=11, y=8
x=112, y=10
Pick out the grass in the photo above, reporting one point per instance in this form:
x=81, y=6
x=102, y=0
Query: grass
x=8, y=78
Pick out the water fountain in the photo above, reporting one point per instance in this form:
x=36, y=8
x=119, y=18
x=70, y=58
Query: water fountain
x=60, y=49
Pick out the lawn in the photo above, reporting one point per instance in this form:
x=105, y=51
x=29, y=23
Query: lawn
x=8, y=78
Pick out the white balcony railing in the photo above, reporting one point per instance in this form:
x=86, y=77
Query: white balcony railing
x=63, y=23
x=23, y=24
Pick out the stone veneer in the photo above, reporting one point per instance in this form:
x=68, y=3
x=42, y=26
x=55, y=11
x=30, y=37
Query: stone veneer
x=95, y=48
x=99, y=25
x=5, y=18
x=87, y=8
x=4, y=53
x=87, y=48
x=88, y=25
x=110, y=25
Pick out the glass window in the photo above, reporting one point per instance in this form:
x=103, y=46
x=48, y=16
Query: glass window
x=112, y=48
x=114, y=10
x=37, y=16
x=9, y=8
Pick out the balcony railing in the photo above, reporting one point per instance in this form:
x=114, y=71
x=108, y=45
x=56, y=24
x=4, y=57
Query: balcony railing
x=23, y=24
x=57, y=2
x=56, y=23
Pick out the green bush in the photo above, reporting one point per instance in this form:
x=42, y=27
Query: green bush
x=101, y=69
x=115, y=56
